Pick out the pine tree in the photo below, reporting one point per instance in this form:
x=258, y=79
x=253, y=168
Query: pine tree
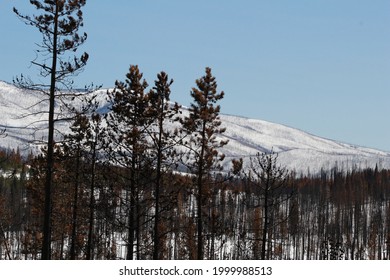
x=95, y=143
x=271, y=181
x=73, y=151
x=162, y=143
x=58, y=21
x=81, y=147
x=203, y=125
x=127, y=128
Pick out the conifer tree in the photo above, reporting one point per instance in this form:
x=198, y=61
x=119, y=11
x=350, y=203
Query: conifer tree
x=95, y=143
x=271, y=181
x=203, y=125
x=163, y=142
x=58, y=21
x=73, y=151
x=81, y=147
x=127, y=127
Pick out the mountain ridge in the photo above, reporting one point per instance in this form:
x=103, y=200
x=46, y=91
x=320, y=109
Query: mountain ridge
x=297, y=149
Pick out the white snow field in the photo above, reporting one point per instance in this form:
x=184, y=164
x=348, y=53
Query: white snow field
x=23, y=115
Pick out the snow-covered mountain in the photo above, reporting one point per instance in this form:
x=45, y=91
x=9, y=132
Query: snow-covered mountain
x=23, y=117
x=18, y=119
x=297, y=150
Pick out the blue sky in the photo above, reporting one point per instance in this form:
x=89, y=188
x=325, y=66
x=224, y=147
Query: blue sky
x=322, y=66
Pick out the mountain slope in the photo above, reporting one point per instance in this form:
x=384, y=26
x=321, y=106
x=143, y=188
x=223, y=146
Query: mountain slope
x=25, y=126
x=297, y=149
x=22, y=120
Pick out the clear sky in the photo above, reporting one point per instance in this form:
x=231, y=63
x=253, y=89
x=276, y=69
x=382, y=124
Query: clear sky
x=322, y=66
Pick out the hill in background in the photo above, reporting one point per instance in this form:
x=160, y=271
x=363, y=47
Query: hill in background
x=23, y=117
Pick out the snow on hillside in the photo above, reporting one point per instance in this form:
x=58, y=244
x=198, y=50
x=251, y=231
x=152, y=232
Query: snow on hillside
x=22, y=120
x=300, y=151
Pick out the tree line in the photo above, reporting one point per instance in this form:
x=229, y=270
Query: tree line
x=334, y=215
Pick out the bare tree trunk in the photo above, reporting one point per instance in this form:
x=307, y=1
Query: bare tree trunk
x=156, y=248
x=46, y=244
x=131, y=220
x=89, y=255
x=265, y=224
x=75, y=208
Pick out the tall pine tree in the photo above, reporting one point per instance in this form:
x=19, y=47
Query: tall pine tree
x=58, y=21
x=163, y=140
x=127, y=128
x=203, y=125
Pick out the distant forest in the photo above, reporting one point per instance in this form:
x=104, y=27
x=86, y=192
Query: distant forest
x=142, y=180
x=333, y=215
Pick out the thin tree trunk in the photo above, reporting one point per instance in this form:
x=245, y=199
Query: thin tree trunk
x=156, y=248
x=200, y=195
x=75, y=208
x=46, y=244
x=265, y=224
x=131, y=226
x=89, y=255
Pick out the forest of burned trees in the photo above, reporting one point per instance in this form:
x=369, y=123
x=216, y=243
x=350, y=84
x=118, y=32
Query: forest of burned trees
x=117, y=192
x=335, y=215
